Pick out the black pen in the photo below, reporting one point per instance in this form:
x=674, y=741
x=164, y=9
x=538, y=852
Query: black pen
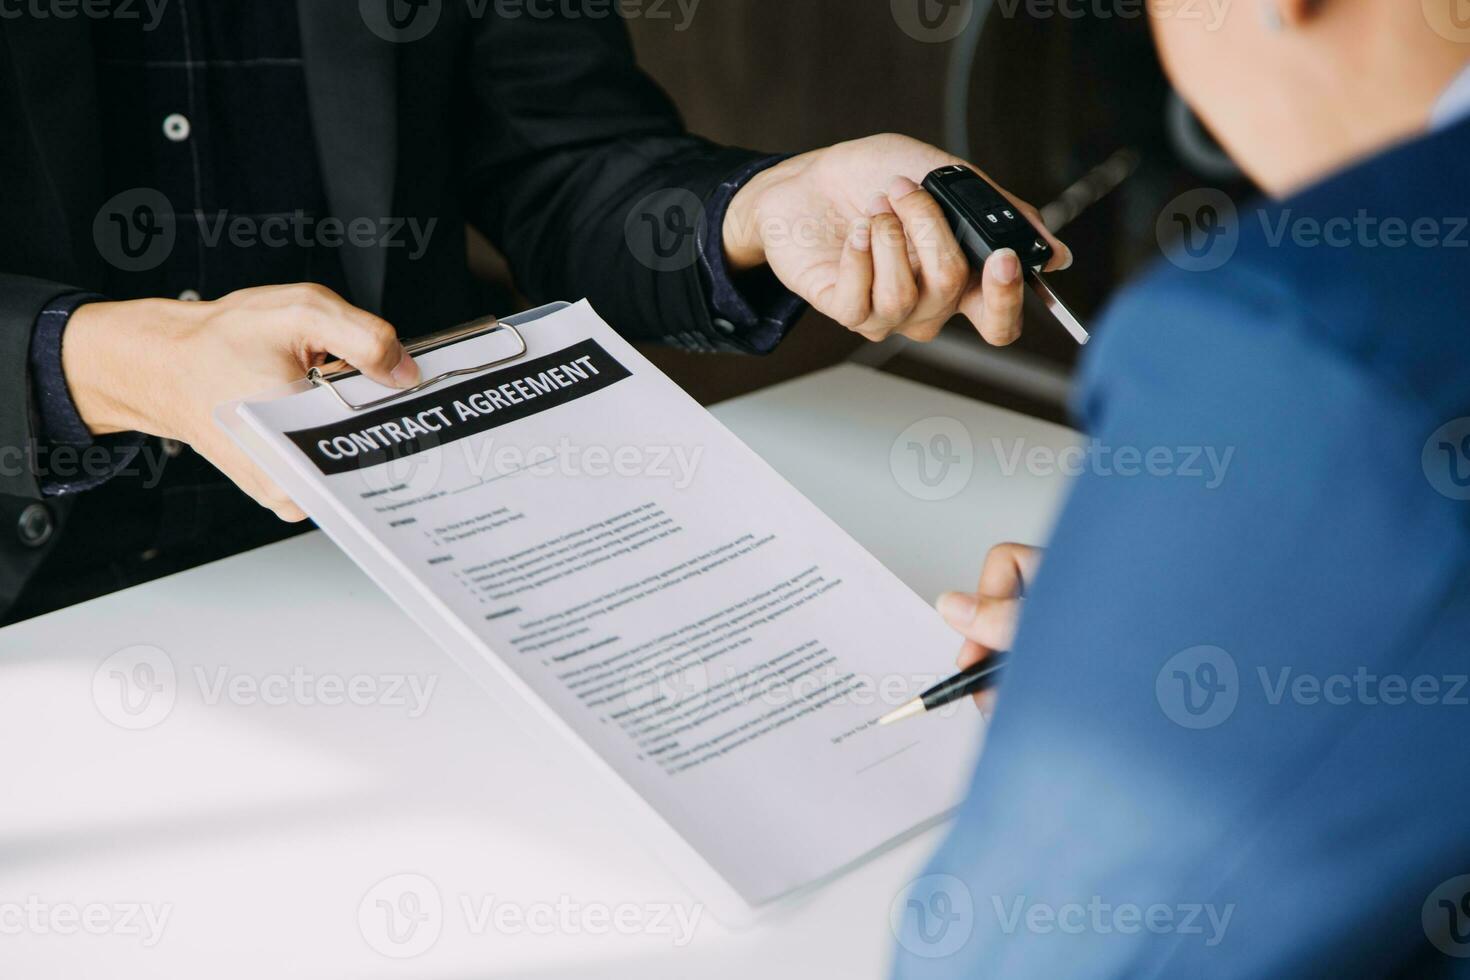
x=972, y=680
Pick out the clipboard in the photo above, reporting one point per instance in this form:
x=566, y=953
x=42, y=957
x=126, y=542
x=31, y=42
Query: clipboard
x=509, y=692
x=330, y=377
x=691, y=836
x=426, y=345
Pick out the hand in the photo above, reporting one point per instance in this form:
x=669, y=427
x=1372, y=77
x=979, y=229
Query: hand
x=161, y=366
x=849, y=230
x=987, y=619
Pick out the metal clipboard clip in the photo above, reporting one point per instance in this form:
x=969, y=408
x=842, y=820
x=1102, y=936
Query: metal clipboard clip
x=475, y=328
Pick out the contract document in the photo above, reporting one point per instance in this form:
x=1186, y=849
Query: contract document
x=578, y=532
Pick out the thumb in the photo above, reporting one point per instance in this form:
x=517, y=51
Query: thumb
x=988, y=622
x=368, y=343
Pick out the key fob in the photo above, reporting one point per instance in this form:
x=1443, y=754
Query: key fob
x=983, y=219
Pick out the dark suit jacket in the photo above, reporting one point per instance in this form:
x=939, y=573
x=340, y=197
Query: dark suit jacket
x=543, y=134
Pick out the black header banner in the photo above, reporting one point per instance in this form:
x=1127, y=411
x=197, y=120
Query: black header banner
x=461, y=410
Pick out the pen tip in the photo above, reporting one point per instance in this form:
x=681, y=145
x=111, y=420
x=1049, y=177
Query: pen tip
x=914, y=707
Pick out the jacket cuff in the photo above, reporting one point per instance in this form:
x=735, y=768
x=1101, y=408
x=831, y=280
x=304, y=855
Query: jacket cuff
x=57, y=420
x=751, y=314
x=64, y=456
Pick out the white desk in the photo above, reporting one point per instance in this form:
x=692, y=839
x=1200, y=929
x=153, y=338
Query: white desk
x=259, y=828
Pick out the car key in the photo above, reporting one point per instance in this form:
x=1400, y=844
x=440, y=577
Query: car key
x=984, y=220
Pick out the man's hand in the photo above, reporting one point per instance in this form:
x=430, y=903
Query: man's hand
x=987, y=618
x=161, y=366
x=850, y=230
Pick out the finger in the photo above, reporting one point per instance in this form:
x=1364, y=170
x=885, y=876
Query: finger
x=971, y=653
x=371, y=345
x=994, y=304
x=233, y=463
x=1007, y=570
x=944, y=272
x=989, y=622
x=849, y=301
x=895, y=292
x=1061, y=255
x=262, y=490
x=368, y=343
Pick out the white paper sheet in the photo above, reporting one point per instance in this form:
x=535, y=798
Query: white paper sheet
x=654, y=588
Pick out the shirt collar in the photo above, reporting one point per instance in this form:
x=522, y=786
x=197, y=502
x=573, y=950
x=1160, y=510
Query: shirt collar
x=1454, y=104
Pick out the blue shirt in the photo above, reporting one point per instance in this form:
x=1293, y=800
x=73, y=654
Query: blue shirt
x=1233, y=738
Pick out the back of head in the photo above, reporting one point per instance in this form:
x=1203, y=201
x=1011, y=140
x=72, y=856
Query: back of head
x=1296, y=89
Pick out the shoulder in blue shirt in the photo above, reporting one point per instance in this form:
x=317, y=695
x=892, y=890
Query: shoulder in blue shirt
x=1231, y=741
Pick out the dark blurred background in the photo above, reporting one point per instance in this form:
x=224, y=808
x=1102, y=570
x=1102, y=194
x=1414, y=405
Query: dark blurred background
x=1049, y=94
